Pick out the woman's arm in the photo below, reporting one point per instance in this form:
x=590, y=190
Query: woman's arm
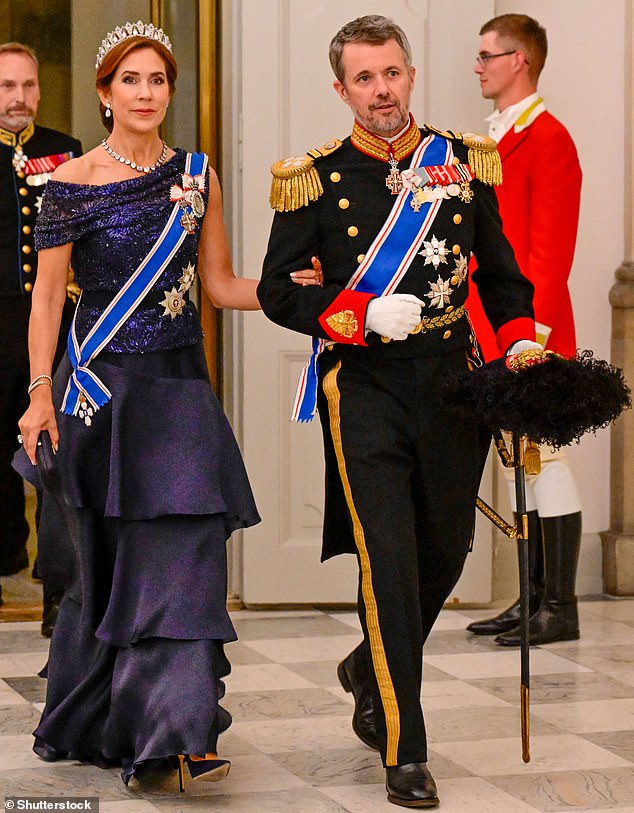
x=214, y=261
x=49, y=294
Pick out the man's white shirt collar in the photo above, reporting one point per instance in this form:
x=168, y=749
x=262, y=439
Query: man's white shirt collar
x=500, y=122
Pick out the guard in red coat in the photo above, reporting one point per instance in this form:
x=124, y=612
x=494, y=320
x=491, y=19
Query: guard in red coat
x=539, y=205
x=392, y=213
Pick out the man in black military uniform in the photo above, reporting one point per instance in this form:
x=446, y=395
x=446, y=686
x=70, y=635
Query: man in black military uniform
x=28, y=156
x=393, y=214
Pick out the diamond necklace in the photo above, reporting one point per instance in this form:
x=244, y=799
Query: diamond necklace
x=128, y=162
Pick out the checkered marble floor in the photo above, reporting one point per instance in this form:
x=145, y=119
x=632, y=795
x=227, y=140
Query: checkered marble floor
x=292, y=748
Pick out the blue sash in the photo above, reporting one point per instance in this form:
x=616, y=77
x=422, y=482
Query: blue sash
x=385, y=262
x=85, y=393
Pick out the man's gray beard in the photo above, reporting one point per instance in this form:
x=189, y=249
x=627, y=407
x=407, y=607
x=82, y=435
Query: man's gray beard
x=381, y=126
x=19, y=121
x=386, y=126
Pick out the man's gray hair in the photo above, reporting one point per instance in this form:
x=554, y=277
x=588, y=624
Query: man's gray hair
x=19, y=48
x=372, y=29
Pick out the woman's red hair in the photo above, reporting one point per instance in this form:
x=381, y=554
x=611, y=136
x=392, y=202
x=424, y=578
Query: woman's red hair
x=113, y=59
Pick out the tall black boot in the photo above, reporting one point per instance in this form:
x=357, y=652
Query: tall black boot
x=510, y=618
x=557, y=618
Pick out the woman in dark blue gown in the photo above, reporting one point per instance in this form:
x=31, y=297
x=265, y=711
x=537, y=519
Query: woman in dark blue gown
x=148, y=459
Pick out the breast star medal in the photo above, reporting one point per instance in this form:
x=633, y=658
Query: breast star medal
x=173, y=303
x=434, y=251
x=439, y=292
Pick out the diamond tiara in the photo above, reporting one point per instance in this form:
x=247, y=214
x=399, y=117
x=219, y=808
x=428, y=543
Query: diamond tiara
x=127, y=30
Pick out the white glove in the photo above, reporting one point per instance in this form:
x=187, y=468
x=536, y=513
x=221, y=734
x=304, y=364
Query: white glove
x=393, y=316
x=521, y=345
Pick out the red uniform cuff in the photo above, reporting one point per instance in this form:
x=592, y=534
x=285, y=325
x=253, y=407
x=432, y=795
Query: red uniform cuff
x=344, y=319
x=513, y=331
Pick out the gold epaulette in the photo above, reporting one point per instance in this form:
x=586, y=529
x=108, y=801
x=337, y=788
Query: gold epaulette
x=296, y=181
x=483, y=156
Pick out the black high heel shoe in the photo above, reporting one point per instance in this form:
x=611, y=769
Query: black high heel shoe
x=204, y=769
x=47, y=752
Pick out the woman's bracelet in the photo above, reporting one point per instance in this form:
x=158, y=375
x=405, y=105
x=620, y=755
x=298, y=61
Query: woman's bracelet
x=38, y=381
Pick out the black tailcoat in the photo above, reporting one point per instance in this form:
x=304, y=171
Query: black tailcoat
x=20, y=198
x=339, y=228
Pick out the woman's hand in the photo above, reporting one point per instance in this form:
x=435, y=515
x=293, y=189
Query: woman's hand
x=309, y=276
x=40, y=415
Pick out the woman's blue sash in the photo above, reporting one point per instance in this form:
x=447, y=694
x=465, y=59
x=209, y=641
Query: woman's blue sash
x=85, y=393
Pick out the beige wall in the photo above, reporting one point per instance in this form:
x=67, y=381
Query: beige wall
x=91, y=20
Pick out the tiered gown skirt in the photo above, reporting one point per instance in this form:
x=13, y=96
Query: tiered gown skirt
x=156, y=485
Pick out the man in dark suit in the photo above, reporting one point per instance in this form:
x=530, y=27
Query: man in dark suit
x=28, y=155
x=393, y=213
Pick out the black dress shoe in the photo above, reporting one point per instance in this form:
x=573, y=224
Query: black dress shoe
x=47, y=752
x=551, y=623
x=507, y=620
x=353, y=677
x=411, y=785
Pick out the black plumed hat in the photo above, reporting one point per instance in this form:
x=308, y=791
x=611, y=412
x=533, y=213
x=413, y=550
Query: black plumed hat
x=551, y=399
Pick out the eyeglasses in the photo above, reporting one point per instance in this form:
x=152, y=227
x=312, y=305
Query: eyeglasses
x=483, y=59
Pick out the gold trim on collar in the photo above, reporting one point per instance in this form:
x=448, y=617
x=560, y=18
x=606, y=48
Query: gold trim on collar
x=522, y=119
x=377, y=147
x=12, y=139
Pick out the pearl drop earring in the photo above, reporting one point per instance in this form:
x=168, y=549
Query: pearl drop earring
x=108, y=111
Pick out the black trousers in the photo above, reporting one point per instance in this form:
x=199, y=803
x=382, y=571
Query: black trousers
x=54, y=553
x=410, y=468
x=14, y=379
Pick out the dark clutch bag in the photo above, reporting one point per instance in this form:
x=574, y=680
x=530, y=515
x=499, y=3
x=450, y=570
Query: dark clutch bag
x=47, y=465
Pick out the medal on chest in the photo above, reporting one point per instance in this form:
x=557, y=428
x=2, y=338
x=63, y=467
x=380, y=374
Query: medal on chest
x=175, y=301
x=189, y=198
x=431, y=183
x=19, y=158
x=394, y=182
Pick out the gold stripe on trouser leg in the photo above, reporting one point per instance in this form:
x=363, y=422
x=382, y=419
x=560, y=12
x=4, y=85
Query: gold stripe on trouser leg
x=384, y=679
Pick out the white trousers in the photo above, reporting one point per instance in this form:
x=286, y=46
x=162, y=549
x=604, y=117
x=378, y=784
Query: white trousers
x=553, y=492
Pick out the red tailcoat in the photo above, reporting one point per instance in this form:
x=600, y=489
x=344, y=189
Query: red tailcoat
x=539, y=205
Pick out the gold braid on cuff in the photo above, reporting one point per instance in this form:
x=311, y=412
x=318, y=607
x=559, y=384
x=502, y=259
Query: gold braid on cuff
x=529, y=358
